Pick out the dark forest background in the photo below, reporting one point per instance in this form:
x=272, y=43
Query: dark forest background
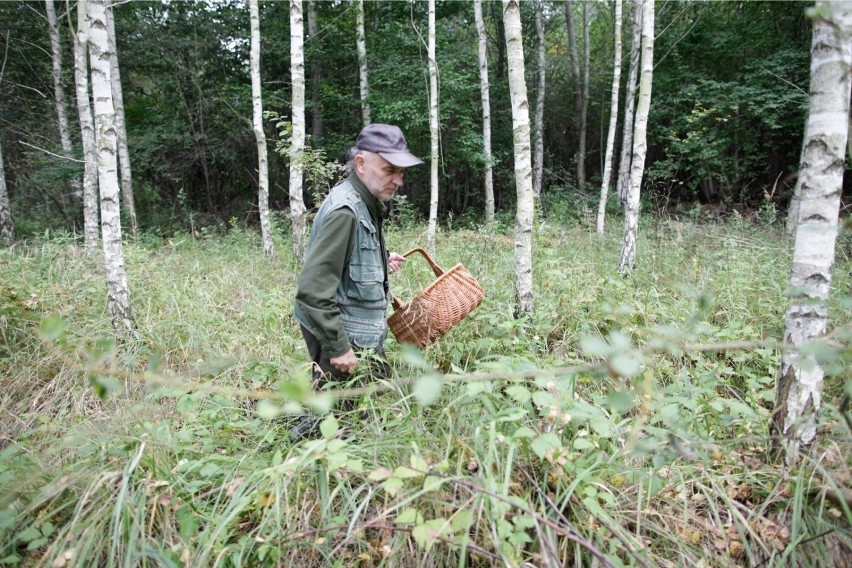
x=725, y=131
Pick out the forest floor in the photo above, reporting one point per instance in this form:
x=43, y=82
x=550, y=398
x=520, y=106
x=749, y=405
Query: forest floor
x=626, y=424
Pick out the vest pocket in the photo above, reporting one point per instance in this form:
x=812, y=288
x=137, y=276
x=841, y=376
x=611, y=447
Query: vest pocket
x=364, y=333
x=370, y=239
x=368, y=283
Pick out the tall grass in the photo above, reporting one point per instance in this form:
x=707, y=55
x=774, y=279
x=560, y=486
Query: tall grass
x=605, y=431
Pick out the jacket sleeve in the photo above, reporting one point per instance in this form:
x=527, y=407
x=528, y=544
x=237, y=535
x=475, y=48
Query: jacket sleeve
x=317, y=284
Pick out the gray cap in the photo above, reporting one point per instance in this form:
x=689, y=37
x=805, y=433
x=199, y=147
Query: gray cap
x=387, y=141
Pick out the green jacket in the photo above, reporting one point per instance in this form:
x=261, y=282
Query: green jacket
x=342, y=292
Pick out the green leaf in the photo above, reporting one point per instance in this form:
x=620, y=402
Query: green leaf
x=544, y=399
x=461, y=520
x=329, y=427
x=187, y=523
x=427, y=388
x=426, y=533
x=620, y=401
x=405, y=472
x=523, y=432
x=626, y=364
x=52, y=328
x=594, y=346
x=392, y=485
x=583, y=444
x=379, y=474
x=409, y=517
x=28, y=534
x=104, y=386
x=267, y=410
x=418, y=463
x=545, y=443
x=321, y=403
x=519, y=393
x=414, y=357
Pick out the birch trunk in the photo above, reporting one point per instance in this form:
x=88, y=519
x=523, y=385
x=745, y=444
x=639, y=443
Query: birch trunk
x=120, y=125
x=800, y=382
x=523, y=158
x=297, y=142
x=640, y=128
x=316, y=76
x=433, y=133
x=613, y=120
x=362, y=66
x=59, y=91
x=486, y=113
x=623, y=183
x=87, y=127
x=7, y=225
x=259, y=135
x=118, y=291
x=574, y=56
x=538, y=143
x=584, y=101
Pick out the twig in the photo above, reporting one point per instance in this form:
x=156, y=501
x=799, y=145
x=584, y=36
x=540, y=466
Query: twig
x=51, y=153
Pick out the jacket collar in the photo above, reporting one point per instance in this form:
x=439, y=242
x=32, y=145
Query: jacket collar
x=377, y=209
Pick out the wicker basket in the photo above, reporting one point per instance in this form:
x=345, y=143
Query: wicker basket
x=443, y=304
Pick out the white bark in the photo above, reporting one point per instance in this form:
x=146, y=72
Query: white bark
x=800, y=382
x=58, y=89
x=7, y=225
x=584, y=101
x=613, y=120
x=362, y=65
x=523, y=159
x=297, y=142
x=118, y=291
x=623, y=182
x=316, y=76
x=259, y=134
x=87, y=127
x=640, y=128
x=486, y=113
x=574, y=56
x=538, y=142
x=433, y=133
x=120, y=125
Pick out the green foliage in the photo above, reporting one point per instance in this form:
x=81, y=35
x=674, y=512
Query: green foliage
x=606, y=419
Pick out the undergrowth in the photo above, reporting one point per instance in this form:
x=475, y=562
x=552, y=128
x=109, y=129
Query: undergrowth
x=626, y=424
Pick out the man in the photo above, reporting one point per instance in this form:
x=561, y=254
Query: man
x=343, y=292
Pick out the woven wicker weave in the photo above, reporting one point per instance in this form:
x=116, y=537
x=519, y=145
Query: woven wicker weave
x=443, y=304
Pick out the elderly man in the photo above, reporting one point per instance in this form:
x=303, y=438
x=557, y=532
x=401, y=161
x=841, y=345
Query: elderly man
x=343, y=292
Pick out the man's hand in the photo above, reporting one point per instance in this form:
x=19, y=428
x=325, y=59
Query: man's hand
x=395, y=261
x=346, y=362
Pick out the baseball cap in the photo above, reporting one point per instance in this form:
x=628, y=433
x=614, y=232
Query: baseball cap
x=387, y=141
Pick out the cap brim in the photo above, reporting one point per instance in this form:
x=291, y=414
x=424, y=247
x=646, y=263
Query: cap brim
x=401, y=159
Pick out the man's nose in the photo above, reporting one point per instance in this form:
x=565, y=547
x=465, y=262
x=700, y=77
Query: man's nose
x=397, y=179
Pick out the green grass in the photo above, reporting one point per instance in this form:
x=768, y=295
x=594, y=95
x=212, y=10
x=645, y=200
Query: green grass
x=601, y=428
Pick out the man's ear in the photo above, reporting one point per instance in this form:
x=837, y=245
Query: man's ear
x=360, y=160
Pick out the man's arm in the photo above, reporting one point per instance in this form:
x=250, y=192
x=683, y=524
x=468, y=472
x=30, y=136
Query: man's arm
x=320, y=277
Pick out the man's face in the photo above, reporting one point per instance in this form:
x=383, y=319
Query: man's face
x=382, y=178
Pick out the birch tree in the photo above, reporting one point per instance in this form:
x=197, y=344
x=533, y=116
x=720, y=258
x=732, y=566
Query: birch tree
x=800, y=382
x=87, y=127
x=120, y=124
x=574, y=56
x=259, y=135
x=118, y=291
x=538, y=143
x=623, y=182
x=362, y=65
x=297, y=140
x=58, y=89
x=613, y=120
x=7, y=225
x=316, y=76
x=433, y=133
x=486, y=112
x=523, y=158
x=640, y=128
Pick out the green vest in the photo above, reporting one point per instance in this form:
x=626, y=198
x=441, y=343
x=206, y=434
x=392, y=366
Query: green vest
x=363, y=293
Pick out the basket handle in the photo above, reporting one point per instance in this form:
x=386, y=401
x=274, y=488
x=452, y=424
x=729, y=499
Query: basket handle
x=434, y=265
